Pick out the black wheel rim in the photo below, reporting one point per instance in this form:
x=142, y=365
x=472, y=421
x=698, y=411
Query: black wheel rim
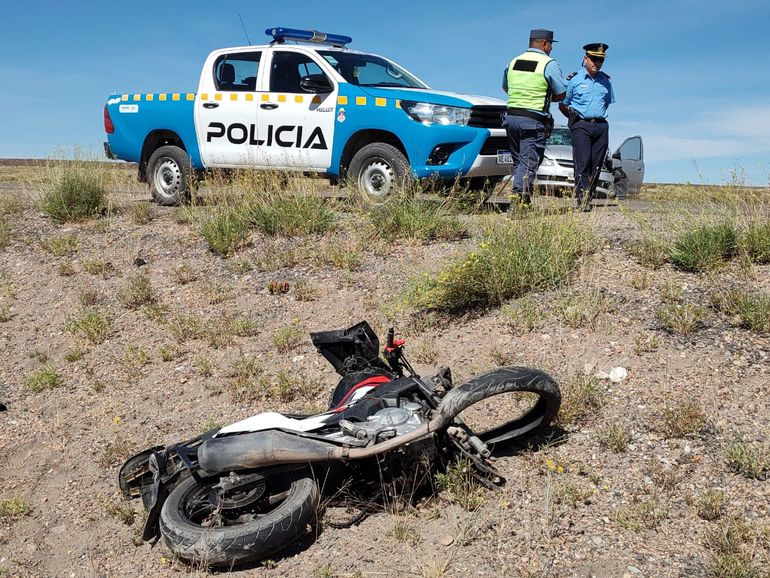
x=210, y=506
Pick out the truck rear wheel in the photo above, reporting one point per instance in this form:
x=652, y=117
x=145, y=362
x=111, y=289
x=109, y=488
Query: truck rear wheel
x=169, y=174
x=378, y=169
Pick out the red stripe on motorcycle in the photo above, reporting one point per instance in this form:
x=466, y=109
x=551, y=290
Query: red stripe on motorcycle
x=377, y=379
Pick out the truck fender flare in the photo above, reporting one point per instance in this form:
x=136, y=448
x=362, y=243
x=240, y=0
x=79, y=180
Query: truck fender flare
x=364, y=137
x=153, y=141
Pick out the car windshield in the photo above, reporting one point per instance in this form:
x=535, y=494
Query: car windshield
x=370, y=70
x=559, y=136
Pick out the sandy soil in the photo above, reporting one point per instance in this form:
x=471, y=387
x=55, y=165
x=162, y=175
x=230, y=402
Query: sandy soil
x=572, y=508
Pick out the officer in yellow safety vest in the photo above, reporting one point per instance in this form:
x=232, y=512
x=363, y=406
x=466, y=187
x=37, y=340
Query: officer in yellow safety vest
x=532, y=80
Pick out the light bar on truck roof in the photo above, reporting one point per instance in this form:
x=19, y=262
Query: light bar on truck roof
x=283, y=34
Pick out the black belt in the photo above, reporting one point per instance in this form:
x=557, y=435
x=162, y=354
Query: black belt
x=527, y=113
x=594, y=119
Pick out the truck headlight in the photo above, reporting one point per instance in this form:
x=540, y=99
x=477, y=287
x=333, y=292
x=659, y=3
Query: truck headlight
x=548, y=162
x=429, y=114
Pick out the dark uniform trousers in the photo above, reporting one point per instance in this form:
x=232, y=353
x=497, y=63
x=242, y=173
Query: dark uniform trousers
x=526, y=137
x=589, y=150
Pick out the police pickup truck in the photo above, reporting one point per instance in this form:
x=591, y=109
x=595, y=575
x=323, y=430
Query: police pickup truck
x=306, y=102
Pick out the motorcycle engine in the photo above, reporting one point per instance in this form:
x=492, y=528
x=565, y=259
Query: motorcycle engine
x=386, y=423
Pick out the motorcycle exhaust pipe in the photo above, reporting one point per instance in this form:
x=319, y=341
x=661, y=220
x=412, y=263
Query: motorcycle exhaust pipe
x=261, y=449
x=273, y=447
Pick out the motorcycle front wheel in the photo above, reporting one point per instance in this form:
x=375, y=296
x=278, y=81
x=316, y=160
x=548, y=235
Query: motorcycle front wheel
x=203, y=524
x=504, y=404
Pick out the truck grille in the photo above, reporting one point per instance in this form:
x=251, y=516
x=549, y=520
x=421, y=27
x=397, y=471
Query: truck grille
x=494, y=144
x=486, y=116
x=566, y=163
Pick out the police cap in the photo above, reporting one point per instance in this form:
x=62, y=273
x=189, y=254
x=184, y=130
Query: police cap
x=596, y=49
x=541, y=34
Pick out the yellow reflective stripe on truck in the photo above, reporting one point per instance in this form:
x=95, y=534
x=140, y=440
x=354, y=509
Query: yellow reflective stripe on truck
x=250, y=96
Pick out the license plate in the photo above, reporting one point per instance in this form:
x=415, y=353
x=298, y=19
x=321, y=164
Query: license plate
x=504, y=157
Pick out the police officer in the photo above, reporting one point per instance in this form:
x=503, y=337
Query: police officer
x=589, y=93
x=532, y=80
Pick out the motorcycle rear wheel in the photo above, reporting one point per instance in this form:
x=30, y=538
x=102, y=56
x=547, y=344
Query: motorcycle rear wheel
x=203, y=525
x=505, y=380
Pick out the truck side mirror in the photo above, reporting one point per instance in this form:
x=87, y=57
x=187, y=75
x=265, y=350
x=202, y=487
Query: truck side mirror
x=316, y=83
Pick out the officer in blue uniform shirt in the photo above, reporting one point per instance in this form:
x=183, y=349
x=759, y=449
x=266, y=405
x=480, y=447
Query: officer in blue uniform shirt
x=532, y=80
x=589, y=94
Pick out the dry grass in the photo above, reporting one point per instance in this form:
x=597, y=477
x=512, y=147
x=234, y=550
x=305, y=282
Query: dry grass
x=513, y=259
x=581, y=396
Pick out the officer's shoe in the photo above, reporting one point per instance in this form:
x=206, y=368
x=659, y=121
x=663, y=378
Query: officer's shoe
x=584, y=205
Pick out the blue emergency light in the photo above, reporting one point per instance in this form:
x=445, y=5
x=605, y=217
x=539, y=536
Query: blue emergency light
x=283, y=34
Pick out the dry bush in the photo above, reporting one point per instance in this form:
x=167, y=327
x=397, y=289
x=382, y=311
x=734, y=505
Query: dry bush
x=513, y=259
x=75, y=189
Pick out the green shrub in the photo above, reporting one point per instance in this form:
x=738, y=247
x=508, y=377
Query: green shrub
x=581, y=396
x=681, y=318
x=288, y=338
x=91, y=324
x=225, y=229
x=751, y=310
x=649, y=251
x=138, y=291
x=75, y=191
x=13, y=508
x=747, y=460
x=141, y=213
x=514, y=258
x=705, y=247
x=5, y=233
x=60, y=246
x=521, y=315
x=755, y=241
x=460, y=485
x=682, y=420
x=46, y=378
x=289, y=214
x=405, y=217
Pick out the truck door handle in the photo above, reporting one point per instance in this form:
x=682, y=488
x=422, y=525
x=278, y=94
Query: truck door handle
x=210, y=105
x=268, y=106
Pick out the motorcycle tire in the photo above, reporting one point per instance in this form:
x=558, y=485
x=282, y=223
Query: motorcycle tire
x=246, y=528
x=507, y=380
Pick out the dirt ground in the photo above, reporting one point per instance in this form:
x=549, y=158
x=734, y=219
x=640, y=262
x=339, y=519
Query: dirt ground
x=570, y=508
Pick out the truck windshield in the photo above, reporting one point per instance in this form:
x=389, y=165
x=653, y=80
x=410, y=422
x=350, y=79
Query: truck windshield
x=370, y=70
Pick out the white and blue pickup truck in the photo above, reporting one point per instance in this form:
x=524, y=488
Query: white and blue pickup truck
x=305, y=102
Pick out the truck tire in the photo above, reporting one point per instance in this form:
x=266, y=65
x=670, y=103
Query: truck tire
x=378, y=169
x=169, y=174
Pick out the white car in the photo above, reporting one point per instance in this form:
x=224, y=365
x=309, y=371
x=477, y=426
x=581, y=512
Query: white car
x=556, y=175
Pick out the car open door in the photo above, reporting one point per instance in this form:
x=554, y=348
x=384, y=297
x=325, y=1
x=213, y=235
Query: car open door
x=628, y=167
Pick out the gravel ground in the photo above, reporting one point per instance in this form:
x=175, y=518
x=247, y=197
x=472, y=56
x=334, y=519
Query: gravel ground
x=571, y=507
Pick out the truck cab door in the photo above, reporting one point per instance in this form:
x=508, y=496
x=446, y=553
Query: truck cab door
x=628, y=160
x=296, y=115
x=227, y=110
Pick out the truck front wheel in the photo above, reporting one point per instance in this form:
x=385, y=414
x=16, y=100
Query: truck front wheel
x=169, y=174
x=378, y=169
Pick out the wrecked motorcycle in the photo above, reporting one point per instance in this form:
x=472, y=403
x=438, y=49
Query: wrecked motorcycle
x=246, y=491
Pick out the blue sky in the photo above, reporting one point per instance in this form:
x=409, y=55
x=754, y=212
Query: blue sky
x=690, y=76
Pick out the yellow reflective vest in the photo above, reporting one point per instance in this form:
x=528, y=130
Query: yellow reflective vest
x=527, y=84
